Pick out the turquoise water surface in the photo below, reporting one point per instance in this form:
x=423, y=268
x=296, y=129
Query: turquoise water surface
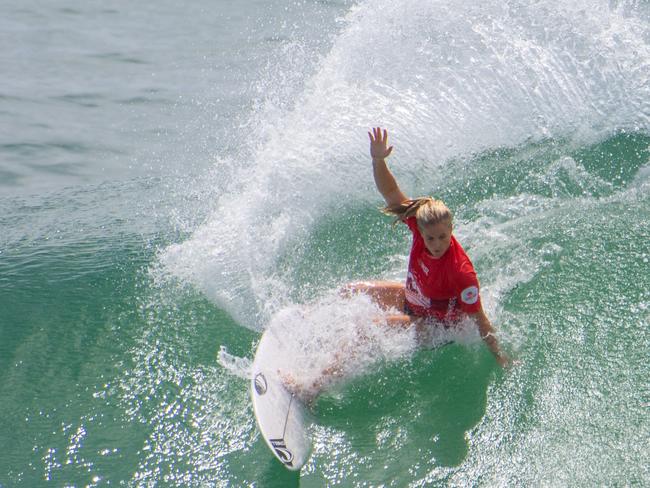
x=175, y=178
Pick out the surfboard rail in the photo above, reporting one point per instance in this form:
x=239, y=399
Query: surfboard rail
x=281, y=416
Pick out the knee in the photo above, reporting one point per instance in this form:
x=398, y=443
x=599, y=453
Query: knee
x=354, y=288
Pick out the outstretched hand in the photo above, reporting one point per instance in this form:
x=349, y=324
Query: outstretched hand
x=378, y=143
x=506, y=362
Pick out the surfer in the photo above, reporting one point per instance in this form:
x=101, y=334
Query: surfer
x=441, y=284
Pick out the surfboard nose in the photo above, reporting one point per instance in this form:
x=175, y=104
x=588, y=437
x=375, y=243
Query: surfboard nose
x=281, y=417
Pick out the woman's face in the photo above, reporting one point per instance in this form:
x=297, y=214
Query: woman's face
x=437, y=237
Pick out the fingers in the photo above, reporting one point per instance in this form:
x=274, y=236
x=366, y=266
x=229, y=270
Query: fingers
x=377, y=135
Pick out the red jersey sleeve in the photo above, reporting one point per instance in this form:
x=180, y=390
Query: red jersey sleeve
x=469, y=298
x=412, y=224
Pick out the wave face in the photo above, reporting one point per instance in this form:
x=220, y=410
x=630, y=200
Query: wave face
x=531, y=120
x=449, y=79
x=124, y=358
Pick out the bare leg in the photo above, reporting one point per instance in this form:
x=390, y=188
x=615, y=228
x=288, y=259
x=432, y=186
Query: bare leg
x=386, y=294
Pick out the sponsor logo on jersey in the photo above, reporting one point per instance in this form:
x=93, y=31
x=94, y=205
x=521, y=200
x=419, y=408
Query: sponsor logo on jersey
x=469, y=295
x=413, y=293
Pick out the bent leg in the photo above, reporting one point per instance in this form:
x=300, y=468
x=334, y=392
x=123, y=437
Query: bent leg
x=387, y=294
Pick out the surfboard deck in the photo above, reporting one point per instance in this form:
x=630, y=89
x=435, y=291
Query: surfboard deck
x=281, y=416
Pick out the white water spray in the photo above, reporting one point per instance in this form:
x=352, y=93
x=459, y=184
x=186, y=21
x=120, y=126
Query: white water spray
x=449, y=79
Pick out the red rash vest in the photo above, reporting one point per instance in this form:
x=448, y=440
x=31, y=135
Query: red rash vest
x=442, y=288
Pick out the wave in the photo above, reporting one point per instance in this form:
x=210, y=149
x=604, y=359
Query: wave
x=450, y=81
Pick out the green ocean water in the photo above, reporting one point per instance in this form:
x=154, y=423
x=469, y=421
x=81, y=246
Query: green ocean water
x=110, y=377
x=132, y=300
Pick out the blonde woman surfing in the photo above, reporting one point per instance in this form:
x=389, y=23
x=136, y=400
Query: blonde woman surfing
x=441, y=285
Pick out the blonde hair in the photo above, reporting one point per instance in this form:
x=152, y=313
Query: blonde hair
x=426, y=210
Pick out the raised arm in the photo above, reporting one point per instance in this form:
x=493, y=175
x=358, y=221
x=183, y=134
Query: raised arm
x=384, y=179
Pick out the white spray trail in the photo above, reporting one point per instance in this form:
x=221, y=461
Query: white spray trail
x=449, y=79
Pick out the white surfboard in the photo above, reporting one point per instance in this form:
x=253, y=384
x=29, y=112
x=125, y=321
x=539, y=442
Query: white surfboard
x=281, y=416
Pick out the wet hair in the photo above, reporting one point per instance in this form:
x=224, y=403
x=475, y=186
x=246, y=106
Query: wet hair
x=426, y=210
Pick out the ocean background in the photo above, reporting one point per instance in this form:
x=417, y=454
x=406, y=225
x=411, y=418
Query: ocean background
x=175, y=177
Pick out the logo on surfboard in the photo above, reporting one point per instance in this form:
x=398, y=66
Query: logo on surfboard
x=260, y=384
x=283, y=452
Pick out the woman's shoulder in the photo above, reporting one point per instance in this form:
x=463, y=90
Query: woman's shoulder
x=462, y=263
x=412, y=223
